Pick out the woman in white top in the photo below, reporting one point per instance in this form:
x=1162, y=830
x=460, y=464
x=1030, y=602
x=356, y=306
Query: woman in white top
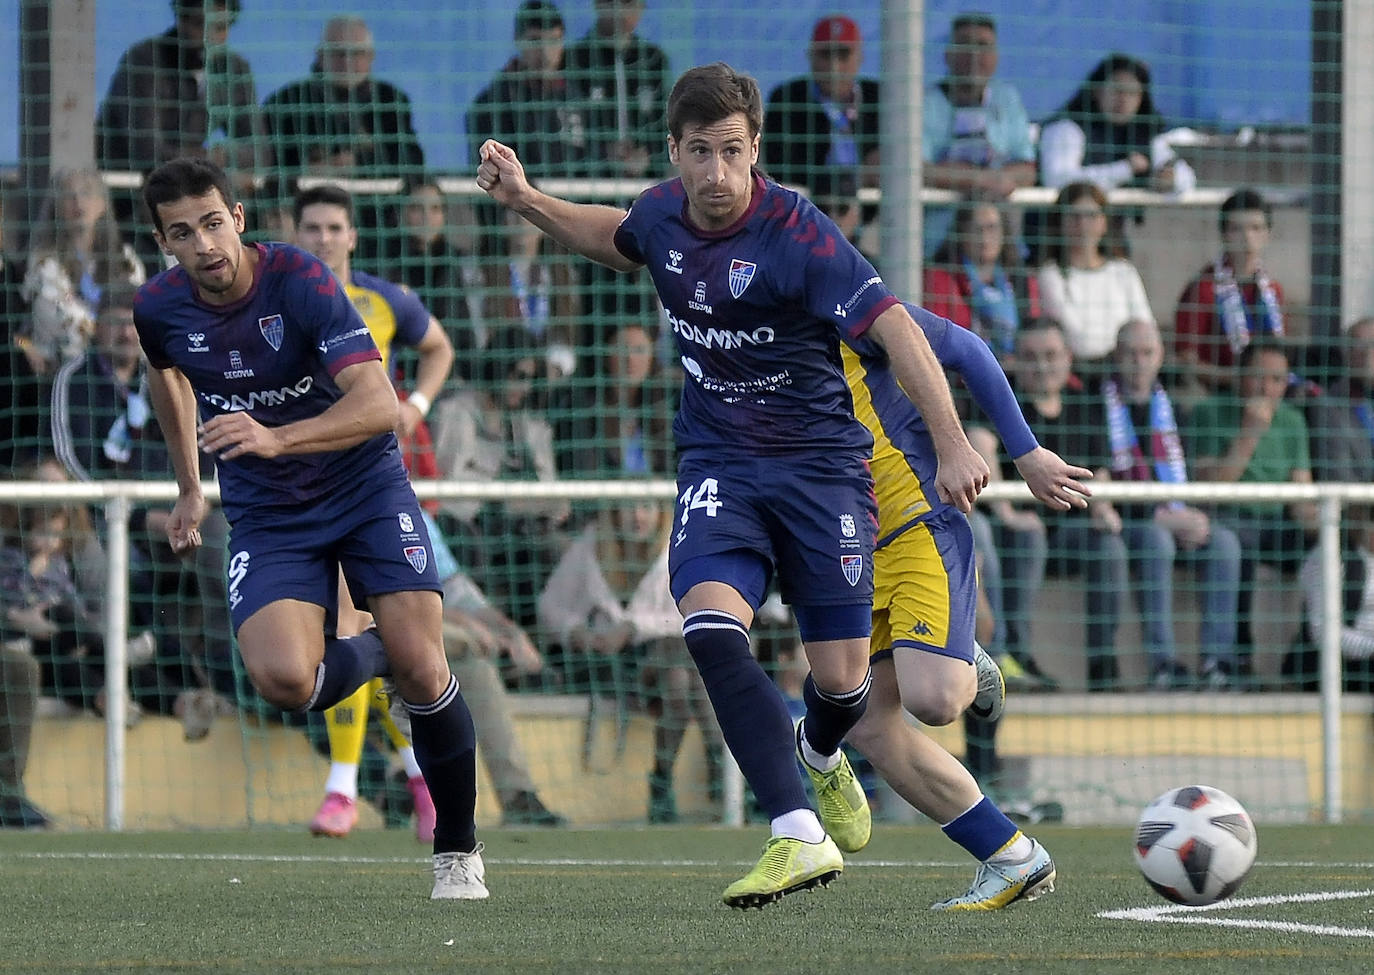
x=74, y=252
x=1111, y=134
x=1086, y=282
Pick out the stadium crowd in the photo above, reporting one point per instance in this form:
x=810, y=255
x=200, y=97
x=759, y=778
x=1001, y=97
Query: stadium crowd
x=561, y=371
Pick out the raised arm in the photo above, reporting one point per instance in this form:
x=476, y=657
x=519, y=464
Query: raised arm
x=588, y=229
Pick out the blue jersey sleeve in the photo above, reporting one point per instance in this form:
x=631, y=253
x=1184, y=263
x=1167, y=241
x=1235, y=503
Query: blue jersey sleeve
x=627, y=234
x=151, y=334
x=963, y=352
x=322, y=306
x=412, y=317
x=837, y=283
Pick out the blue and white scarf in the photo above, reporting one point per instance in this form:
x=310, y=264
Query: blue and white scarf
x=1235, y=319
x=1166, y=449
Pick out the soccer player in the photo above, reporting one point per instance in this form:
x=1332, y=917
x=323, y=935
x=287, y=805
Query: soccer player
x=923, y=654
x=760, y=287
x=323, y=217
x=257, y=356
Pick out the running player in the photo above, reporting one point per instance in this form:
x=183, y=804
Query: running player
x=924, y=658
x=760, y=287
x=257, y=356
x=323, y=216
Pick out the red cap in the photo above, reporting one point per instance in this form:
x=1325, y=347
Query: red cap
x=835, y=30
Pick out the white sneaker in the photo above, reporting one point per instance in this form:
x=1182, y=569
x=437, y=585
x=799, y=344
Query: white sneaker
x=460, y=876
x=999, y=884
x=992, y=688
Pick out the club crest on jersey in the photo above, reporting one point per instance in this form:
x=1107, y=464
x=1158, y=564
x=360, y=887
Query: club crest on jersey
x=272, y=330
x=741, y=274
x=847, y=526
x=407, y=523
x=853, y=566
x=418, y=557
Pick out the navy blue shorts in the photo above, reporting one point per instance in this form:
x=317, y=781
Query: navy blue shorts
x=812, y=520
x=374, y=532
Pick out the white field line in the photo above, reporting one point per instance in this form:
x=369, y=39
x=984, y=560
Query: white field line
x=1183, y=914
x=519, y=861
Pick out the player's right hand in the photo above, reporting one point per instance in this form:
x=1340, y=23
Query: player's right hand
x=960, y=476
x=183, y=524
x=1053, y=481
x=500, y=174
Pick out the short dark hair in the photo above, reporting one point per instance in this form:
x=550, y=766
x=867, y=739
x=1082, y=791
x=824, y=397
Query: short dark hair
x=1245, y=199
x=328, y=193
x=973, y=18
x=537, y=15
x=1258, y=345
x=182, y=177
x=711, y=93
x=198, y=6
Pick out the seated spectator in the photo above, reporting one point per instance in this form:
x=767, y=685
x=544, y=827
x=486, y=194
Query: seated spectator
x=533, y=105
x=1339, y=423
x=620, y=425
x=18, y=705
x=625, y=80
x=975, y=136
x=75, y=252
x=1231, y=300
x=20, y=385
x=531, y=286
x=1303, y=663
x=1086, y=282
x=1145, y=445
x=820, y=131
x=609, y=595
x=341, y=120
x=977, y=279
x=496, y=429
x=1251, y=436
x=1111, y=135
x=1071, y=424
x=422, y=257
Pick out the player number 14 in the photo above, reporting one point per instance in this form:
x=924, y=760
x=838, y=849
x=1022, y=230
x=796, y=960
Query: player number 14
x=700, y=496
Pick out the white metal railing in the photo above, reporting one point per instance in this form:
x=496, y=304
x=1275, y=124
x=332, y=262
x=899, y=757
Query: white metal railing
x=119, y=496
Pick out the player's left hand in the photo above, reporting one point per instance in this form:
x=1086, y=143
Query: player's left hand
x=233, y=435
x=1054, y=481
x=961, y=476
x=409, y=419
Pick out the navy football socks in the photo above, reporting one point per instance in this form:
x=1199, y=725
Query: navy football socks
x=830, y=716
x=348, y=664
x=446, y=750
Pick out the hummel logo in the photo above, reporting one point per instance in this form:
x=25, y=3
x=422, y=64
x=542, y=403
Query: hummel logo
x=839, y=312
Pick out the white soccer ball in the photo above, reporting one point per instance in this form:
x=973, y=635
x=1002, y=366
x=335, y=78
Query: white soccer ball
x=1195, y=845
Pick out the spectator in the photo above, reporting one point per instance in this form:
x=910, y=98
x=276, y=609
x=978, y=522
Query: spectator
x=1145, y=446
x=18, y=705
x=496, y=429
x=609, y=595
x=1110, y=134
x=340, y=120
x=975, y=135
x=19, y=383
x=1086, y=282
x=423, y=258
x=1251, y=436
x=75, y=252
x=1071, y=424
x=102, y=428
x=620, y=425
x=183, y=93
x=821, y=129
x=977, y=279
x=1231, y=300
x=531, y=286
x=625, y=80
x=1340, y=423
x=532, y=104
x=1303, y=663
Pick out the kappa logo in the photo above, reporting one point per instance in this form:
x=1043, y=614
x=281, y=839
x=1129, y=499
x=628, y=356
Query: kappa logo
x=674, y=262
x=853, y=566
x=197, y=340
x=922, y=628
x=741, y=274
x=417, y=556
x=407, y=523
x=273, y=330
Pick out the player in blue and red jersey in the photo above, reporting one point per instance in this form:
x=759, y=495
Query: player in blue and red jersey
x=257, y=356
x=761, y=288
x=923, y=653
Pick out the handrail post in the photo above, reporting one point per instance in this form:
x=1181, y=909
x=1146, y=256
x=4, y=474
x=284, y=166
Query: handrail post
x=116, y=655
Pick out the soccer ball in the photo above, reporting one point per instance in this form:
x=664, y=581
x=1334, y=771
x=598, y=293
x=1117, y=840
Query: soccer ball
x=1195, y=845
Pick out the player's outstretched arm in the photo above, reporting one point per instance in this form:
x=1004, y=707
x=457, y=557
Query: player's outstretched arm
x=1053, y=480
x=174, y=403
x=586, y=228
x=367, y=408
x=962, y=473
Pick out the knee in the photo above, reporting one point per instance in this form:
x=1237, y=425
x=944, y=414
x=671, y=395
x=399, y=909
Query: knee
x=284, y=685
x=939, y=706
x=420, y=677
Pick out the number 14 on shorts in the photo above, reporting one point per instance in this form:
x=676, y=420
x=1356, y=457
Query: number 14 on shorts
x=703, y=496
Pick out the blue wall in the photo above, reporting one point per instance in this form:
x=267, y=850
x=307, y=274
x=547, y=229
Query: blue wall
x=1222, y=63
